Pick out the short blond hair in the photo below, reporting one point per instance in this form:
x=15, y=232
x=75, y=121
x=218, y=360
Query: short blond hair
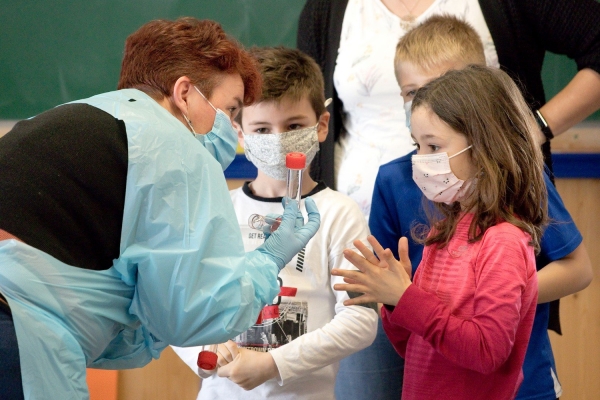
x=438, y=40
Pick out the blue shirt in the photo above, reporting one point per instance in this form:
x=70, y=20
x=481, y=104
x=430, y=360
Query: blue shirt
x=398, y=205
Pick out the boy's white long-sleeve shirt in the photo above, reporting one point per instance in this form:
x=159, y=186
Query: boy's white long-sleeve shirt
x=323, y=330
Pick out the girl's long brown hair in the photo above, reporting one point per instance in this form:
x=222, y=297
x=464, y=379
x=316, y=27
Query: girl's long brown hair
x=486, y=106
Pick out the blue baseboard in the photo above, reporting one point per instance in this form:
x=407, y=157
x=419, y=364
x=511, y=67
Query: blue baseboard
x=566, y=165
x=576, y=165
x=241, y=168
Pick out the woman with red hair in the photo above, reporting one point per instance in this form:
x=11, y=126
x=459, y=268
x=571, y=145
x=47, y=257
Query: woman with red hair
x=117, y=232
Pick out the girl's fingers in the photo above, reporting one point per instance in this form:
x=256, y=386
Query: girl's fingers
x=351, y=281
x=376, y=246
x=357, y=260
x=403, y=253
x=391, y=261
x=354, y=280
x=366, y=252
x=395, y=266
x=356, y=276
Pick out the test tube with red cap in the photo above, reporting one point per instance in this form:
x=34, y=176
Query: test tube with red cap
x=295, y=164
x=207, y=358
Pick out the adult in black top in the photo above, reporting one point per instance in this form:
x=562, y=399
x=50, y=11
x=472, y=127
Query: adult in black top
x=522, y=30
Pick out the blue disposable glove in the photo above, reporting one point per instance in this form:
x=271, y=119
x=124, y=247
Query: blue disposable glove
x=293, y=234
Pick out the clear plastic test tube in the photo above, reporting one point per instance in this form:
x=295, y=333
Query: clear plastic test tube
x=207, y=358
x=295, y=163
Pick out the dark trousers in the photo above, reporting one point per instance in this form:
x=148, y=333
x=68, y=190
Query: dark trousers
x=11, y=386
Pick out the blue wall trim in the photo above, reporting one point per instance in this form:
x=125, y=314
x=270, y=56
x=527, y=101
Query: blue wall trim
x=576, y=165
x=241, y=168
x=566, y=165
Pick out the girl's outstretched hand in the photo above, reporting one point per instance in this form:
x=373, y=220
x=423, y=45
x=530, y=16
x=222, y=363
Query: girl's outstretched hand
x=381, y=278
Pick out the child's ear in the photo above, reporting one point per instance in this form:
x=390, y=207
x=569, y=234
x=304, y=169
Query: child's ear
x=238, y=128
x=323, y=126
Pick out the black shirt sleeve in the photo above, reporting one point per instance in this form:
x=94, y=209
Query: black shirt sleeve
x=62, y=179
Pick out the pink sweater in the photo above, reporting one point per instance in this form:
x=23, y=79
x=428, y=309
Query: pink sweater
x=464, y=324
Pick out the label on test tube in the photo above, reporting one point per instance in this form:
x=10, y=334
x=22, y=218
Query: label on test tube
x=261, y=222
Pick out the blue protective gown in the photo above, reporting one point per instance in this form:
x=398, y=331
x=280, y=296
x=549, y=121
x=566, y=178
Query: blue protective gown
x=181, y=278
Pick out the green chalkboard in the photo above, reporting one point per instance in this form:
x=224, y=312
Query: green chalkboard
x=558, y=70
x=56, y=51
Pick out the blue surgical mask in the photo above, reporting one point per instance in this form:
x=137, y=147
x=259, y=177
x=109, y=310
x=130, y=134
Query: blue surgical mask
x=407, y=105
x=222, y=140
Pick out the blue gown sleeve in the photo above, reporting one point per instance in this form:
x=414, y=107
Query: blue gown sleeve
x=131, y=348
x=181, y=247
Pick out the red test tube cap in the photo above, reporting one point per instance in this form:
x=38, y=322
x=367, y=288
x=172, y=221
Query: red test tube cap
x=207, y=360
x=295, y=160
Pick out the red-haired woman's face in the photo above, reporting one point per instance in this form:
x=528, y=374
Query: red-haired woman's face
x=227, y=96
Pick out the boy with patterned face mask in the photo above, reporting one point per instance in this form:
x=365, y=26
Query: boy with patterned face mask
x=293, y=349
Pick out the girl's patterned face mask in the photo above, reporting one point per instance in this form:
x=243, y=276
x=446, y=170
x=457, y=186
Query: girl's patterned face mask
x=433, y=175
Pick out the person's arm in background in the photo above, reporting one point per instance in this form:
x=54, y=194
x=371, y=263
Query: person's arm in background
x=565, y=276
x=572, y=28
x=577, y=101
x=568, y=269
x=384, y=223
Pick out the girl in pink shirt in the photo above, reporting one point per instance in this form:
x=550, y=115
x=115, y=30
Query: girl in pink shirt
x=464, y=322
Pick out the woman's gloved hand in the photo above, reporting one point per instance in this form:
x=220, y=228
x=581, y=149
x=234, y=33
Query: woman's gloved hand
x=293, y=234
